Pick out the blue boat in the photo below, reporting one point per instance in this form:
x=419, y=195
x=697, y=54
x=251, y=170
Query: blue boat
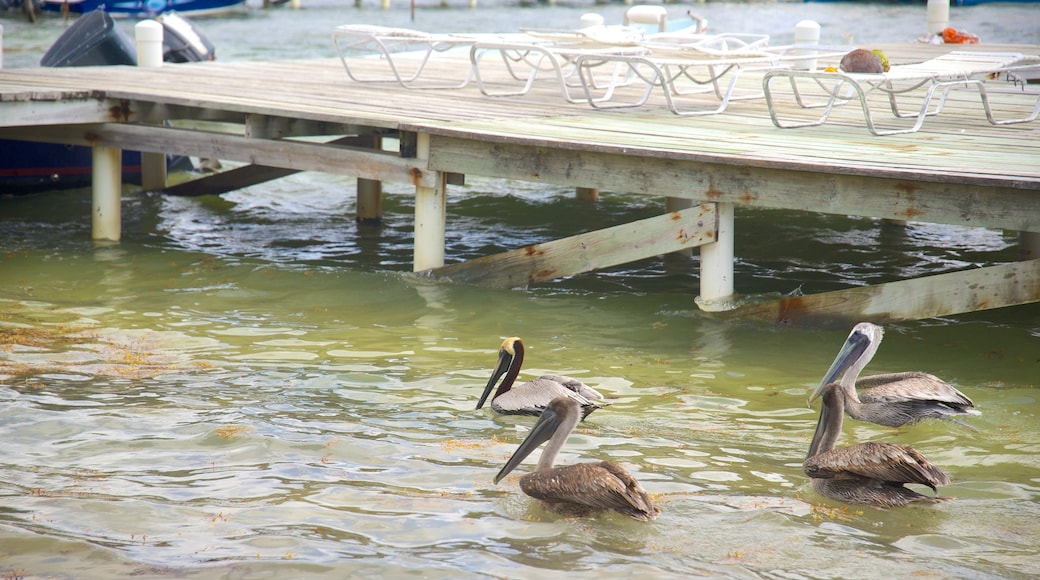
x=142, y=8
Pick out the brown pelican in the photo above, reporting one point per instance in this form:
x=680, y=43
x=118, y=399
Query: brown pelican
x=870, y=473
x=532, y=397
x=892, y=399
x=580, y=489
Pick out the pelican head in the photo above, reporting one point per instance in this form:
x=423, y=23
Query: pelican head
x=562, y=413
x=857, y=351
x=510, y=356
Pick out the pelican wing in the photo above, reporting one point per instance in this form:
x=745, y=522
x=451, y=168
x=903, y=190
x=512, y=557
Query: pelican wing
x=911, y=386
x=883, y=461
x=574, y=385
x=591, y=487
x=533, y=396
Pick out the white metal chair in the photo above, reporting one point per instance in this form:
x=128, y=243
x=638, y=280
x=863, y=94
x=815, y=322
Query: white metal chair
x=553, y=54
x=937, y=76
x=682, y=65
x=404, y=52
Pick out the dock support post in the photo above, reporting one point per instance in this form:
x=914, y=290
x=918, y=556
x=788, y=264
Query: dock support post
x=586, y=193
x=148, y=36
x=430, y=216
x=717, y=264
x=1029, y=245
x=938, y=15
x=369, y=201
x=107, y=182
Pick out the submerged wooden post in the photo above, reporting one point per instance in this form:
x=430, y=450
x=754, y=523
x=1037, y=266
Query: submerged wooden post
x=107, y=182
x=586, y=193
x=1028, y=245
x=717, y=264
x=149, y=39
x=369, y=201
x=430, y=216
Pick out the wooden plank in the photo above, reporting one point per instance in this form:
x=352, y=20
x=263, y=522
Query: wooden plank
x=243, y=176
x=671, y=232
x=927, y=297
x=990, y=203
x=298, y=155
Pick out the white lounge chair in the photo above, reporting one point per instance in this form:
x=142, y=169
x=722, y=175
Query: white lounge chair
x=552, y=54
x=404, y=52
x=684, y=65
x=940, y=75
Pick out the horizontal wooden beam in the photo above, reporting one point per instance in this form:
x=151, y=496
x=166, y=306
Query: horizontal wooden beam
x=298, y=155
x=926, y=297
x=243, y=176
x=671, y=232
x=926, y=198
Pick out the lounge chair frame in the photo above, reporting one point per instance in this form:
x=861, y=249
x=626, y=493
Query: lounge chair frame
x=941, y=75
x=388, y=44
x=683, y=65
x=555, y=54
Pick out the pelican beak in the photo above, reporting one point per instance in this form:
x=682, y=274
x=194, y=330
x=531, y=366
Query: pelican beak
x=504, y=360
x=542, y=431
x=854, y=347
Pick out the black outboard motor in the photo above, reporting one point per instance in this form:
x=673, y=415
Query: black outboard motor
x=92, y=40
x=95, y=40
x=182, y=41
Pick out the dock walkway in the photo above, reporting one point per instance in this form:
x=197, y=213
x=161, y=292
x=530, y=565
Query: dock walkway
x=958, y=169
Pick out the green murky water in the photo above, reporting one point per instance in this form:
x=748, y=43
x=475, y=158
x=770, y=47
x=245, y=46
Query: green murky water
x=255, y=387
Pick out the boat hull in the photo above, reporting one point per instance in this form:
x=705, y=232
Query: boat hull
x=143, y=8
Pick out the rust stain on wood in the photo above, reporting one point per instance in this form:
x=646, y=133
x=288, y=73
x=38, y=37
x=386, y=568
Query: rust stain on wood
x=908, y=187
x=911, y=213
x=120, y=112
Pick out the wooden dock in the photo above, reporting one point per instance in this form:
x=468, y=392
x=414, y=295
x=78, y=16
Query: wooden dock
x=308, y=115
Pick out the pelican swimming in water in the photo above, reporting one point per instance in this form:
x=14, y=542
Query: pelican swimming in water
x=870, y=473
x=580, y=489
x=893, y=399
x=532, y=397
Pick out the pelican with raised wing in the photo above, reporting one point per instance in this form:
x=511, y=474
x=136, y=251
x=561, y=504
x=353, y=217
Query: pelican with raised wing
x=580, y=489
x=532, y=397
x=893, y=399
x=870, y=473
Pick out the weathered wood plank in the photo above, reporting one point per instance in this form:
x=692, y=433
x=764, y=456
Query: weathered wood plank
x=240, y=177
x=926, y=297
x=990, y=205
x=298, y=155
x=671, y=232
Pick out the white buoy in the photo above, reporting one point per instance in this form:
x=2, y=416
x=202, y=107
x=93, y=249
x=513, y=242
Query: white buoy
x=938, y=15
x=148, y=35
x=806, y=32
x=590, y=19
